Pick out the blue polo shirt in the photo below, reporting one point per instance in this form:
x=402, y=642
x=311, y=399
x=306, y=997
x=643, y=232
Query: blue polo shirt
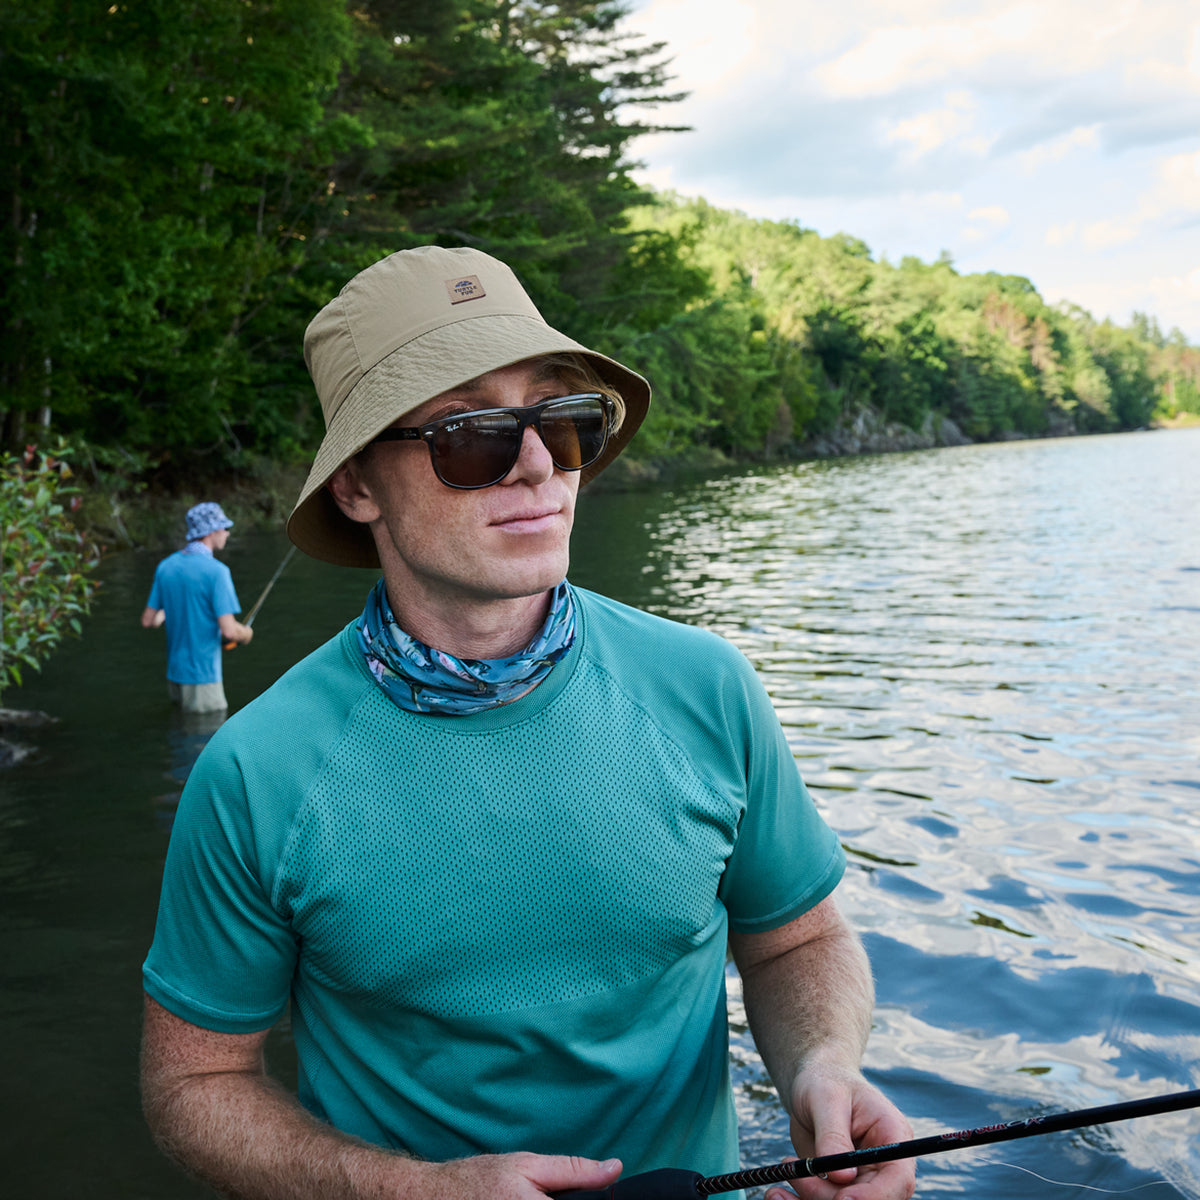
x=195, y=591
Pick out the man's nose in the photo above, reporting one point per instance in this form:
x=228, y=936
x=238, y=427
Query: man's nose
x=534, y=463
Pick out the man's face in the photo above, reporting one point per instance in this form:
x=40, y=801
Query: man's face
x=442, y=547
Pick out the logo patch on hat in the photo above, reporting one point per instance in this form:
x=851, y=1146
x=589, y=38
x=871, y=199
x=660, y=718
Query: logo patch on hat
x=466, y=287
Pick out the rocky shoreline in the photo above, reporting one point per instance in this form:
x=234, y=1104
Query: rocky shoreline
x=11, y=719
x=865, y=430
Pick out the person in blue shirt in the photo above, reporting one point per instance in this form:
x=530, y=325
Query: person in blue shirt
x=194, y=598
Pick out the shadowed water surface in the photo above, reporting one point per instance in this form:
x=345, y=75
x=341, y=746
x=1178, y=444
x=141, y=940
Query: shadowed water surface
x=985, y=659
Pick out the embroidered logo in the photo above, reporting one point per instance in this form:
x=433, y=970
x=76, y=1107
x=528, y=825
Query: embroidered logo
x=467, y=287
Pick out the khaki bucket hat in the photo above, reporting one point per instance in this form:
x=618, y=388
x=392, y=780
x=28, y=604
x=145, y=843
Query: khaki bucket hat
x=399, y=333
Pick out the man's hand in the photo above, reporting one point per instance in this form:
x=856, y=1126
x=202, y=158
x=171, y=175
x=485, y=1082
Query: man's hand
x=808, y=992
x=838, y=1111
x=233, y=632
x=516, y=1176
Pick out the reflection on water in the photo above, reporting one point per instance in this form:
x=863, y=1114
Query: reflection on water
x=985, y=659
x=187, y=735
x=986, y=662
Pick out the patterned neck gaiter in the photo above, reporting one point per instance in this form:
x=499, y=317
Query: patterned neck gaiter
x=423, y=680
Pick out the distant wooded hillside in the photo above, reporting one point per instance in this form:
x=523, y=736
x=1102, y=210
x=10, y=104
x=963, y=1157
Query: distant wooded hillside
x=188, y=182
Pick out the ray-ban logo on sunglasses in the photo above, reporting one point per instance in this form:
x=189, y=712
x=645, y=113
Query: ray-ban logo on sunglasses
x=466, y=287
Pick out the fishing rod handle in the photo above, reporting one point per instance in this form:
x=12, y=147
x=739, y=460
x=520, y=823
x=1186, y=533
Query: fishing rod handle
x=667, y=1183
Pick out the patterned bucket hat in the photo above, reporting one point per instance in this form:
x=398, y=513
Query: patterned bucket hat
x=206, y=518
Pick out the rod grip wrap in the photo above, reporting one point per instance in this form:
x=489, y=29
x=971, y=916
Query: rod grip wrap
x=667, y=1183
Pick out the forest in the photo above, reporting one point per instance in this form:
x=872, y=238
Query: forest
x=188, y=181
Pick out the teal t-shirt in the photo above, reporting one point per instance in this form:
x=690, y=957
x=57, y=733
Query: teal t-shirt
x=504, y=931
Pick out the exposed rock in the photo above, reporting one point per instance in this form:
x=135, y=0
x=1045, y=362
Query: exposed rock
x=12, y=753
x=864, y=430
x=1060, y=424
x=946, y=432
x=24, y=718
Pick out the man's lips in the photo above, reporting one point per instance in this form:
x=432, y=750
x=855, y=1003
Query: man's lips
x=529, y=520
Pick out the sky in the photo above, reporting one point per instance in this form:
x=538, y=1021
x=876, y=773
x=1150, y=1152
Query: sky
x=1058, y=140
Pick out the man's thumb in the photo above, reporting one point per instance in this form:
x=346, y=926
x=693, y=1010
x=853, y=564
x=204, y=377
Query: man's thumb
x=562, y=1175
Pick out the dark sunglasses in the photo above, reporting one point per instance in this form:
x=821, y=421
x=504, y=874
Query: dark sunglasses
x=478, y=449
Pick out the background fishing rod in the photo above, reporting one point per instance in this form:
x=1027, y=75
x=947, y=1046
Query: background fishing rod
x=674, y=1183
x=265, y=592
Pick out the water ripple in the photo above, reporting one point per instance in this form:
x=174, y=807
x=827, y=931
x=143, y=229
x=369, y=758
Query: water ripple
x=985, y=660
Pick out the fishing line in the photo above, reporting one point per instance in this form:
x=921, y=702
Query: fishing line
x=1087, y=1187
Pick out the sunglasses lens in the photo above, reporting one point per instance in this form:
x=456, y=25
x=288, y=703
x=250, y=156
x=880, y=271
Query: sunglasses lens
x=575, y=431
x=479, y=449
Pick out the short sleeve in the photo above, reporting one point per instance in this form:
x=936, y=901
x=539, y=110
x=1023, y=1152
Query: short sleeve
x=225, y=598
x=786, y=859
x=222, y=957
x=155, y=600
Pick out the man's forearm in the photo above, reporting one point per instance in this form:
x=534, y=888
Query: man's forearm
x=249, y=1138
x=244, y=1135
x=809, y=1004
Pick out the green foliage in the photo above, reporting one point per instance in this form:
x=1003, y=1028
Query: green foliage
x=166, y=190
x=189, y=182
x=46, y=560
x=919, y=339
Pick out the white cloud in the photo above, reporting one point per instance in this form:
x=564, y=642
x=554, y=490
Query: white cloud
x=709, y=45
x=900, y=56
x=1082, y=137
x=928, y=131
x=905, y=122
x=993, y=215
x=1017, y=40
x=1104, y=235
x=1174, y=298
x=1175, y=197
x=1177, y=295
x=1180, y=186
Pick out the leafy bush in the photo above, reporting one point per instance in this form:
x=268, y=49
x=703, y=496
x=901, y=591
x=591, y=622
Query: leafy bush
x=46, y=560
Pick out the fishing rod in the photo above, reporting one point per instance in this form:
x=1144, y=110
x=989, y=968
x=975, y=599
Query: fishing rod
x=267, y=590
x=674, y=1183
x=265, y=593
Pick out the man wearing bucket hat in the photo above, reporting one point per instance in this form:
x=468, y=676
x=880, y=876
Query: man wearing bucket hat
x=492, y=840
x=193, y=596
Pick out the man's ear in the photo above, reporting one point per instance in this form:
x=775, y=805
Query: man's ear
x=352, y=494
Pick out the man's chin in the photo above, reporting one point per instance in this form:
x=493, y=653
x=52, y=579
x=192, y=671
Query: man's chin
x=537, y=580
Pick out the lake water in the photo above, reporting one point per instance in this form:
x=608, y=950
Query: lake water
x=985, y=659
